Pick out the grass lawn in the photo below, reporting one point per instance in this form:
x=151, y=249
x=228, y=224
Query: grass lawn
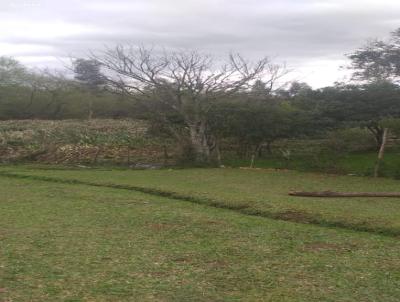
x=70, y=242
x=258, y=192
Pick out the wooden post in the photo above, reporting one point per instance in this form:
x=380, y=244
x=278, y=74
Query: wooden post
x=253, y=156
x=166, y=156
x=90, y=111
x=381, y=152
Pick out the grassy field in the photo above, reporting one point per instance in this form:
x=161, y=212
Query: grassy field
x=255, y=192
x=66, y=241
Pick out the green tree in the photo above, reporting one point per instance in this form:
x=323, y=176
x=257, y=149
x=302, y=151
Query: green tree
x=378, y=60
x=88, y=74
x=362, y=105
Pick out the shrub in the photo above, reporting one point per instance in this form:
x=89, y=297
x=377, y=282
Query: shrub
x=350, y=140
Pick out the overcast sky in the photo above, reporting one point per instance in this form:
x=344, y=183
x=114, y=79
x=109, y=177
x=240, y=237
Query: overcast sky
x=310, y=36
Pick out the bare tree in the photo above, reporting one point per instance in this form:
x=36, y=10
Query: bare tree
x=184, y=82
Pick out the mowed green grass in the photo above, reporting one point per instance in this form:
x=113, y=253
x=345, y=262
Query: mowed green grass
x=260, y=192
x=69, y=242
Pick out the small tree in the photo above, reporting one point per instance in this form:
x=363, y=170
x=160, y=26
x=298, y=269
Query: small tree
x=378, y=62
x=87, y=73
x=12, y=72
x=256, y=124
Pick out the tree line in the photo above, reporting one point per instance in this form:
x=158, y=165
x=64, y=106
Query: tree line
x=202, y=101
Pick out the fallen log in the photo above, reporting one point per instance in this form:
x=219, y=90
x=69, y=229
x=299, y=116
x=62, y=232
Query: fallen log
x=344, y=194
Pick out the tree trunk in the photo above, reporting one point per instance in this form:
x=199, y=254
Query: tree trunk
x=165, y=153
x=29, y=106
x=269, y=147
x=377, y=132
x=198, y=139
x=260, y=151
x=90, y=113
x=218, y=153
x=381, y=152
x=253, y=155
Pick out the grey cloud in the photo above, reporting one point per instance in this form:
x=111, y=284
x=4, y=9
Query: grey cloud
x=296, y=31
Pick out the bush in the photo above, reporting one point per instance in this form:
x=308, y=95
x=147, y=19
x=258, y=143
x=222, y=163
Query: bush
x=350, y=140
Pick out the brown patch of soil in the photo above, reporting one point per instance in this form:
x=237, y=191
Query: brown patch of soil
x=183, y=259
x=295, y=216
